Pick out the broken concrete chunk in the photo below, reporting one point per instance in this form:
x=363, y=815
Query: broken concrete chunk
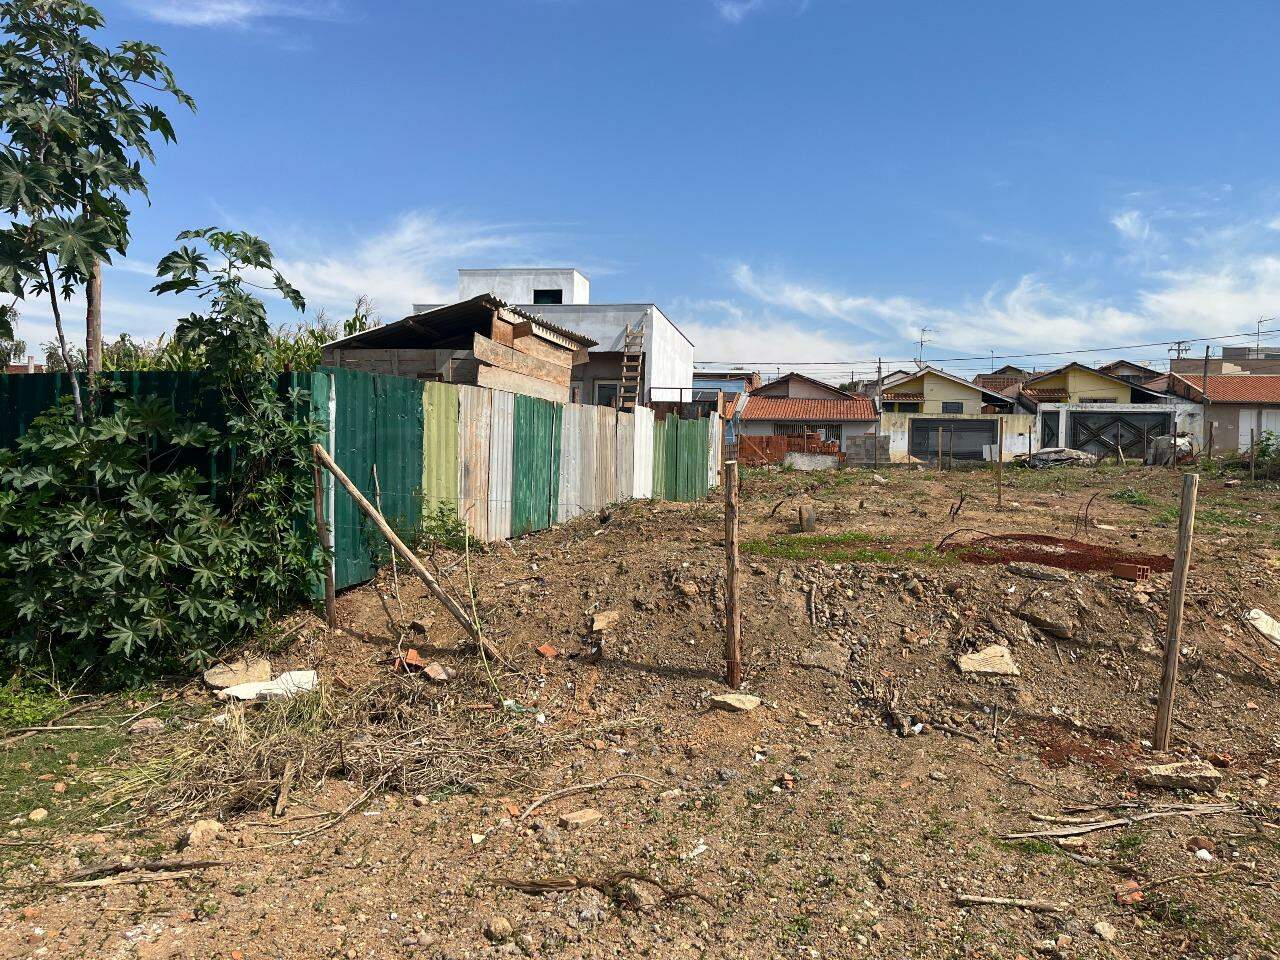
x=1183, y=775
x=734, y=702
x=604, y=620
x=250, y=670
x=995, y=660
x=147, y=727
x=1036, y=571
x=199, y=833
x=825, y=656
x=1265, y=624
x=1061, y=629
x=438, y=672
x=580, y=818
x=286, y=685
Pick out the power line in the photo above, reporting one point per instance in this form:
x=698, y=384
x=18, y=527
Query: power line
x=988, y=358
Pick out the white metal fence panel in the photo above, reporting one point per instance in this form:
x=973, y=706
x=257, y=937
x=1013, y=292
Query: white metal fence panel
x=624, y=454
x=569, y=504
x=715, y=437
x=642, y=454
x=501, y=430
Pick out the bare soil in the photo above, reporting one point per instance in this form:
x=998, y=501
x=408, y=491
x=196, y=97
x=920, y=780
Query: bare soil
x=848, y=815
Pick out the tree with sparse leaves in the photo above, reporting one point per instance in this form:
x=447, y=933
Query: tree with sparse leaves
x=76, y=122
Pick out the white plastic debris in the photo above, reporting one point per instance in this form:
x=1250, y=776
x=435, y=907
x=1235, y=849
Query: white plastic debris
x=286, y=685
x=1265, y=624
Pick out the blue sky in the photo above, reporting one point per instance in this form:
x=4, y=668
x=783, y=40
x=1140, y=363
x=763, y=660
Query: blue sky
x=791, y=180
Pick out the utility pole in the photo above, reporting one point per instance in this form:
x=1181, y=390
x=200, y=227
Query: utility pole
x=1204, y=390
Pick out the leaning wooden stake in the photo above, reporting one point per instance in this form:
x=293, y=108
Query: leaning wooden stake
x=999, y=464
x=1173, y=640
x=732, y=612
x=405, y=553
x=323, y=534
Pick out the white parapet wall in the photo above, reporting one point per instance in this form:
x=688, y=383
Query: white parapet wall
x=1020, y=433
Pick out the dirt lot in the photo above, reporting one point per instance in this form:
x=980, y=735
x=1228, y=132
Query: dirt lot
x=849, y=814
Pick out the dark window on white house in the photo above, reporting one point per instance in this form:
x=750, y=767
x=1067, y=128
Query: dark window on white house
x=548, y=296
x=952, y=406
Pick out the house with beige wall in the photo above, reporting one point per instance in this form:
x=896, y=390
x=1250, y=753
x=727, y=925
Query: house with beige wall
x=933, y=407
x=1085, y=409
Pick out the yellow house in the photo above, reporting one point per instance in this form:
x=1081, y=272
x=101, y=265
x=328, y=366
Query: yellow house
x=1076, y=383
x=938, y=392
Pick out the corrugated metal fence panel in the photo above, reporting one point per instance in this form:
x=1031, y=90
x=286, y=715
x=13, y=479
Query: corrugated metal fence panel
x=473, y=459
x=606, y=455
x=398, y=453
x=714, y=450
x=642, y=453
x=355, y=423
x=659, y=460
x=439, y=402
x=501, y=424
x=569, y=501
x=535, y=459
x=588, y=489
x=625, y=456
x=555, y=434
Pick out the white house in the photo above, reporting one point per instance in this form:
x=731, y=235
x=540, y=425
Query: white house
x=639, y=354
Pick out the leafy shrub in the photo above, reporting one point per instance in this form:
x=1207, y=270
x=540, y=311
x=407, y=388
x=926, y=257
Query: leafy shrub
x=441, y=527
x=116, y=553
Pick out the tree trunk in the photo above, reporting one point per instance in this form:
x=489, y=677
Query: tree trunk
x=93, y=323
x=62, y=342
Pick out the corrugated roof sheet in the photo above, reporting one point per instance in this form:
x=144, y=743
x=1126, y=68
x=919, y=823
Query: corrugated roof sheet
x=1043, y=395
x=815, y=411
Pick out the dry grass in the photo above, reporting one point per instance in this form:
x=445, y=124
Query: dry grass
x=400, y=733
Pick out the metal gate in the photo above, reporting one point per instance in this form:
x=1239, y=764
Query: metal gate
x=961, y=439
x=1099, y=433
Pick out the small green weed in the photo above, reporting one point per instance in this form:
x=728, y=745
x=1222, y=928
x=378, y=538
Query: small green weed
x=1032, y=847
x=24, y=704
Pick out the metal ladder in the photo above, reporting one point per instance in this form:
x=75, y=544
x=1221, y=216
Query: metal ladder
x=632, y=361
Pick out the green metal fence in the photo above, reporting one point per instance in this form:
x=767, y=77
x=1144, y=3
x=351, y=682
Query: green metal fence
x=409, y=434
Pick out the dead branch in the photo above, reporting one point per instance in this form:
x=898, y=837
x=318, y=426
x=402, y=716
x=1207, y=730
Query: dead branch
x=1191, y=810
x=606, y=885
x=1036, y=906
x=583, y=788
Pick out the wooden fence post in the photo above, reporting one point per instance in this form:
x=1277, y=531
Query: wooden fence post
x=1253, y=454
x=999, y=464
x=939, y=449
x=1177, y=594
x=326, y=545
x=808, y=520
x=732, y=612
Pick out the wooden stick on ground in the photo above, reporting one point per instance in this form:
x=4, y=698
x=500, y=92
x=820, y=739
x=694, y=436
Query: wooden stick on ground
x=1036, y=906
x=1199, y=810
x=583, y=788
x=406, y=554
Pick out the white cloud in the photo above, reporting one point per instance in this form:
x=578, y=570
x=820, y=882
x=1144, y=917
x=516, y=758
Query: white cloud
x=1132, y=225
x=413, y=261
x=735, y=11
x=232, y=13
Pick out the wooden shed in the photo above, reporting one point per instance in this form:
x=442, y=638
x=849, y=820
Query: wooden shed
x=482, y=341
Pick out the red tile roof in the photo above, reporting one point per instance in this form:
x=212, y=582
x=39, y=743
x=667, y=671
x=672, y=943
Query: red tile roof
x=894, y=396
x=996, y=381
x=812, y=411
x=1046, y=394
x=1244, y=388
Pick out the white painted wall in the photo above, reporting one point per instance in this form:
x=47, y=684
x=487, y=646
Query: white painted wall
x=516, y=285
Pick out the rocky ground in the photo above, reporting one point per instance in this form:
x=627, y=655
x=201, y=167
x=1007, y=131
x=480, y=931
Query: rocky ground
x=859, y=809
